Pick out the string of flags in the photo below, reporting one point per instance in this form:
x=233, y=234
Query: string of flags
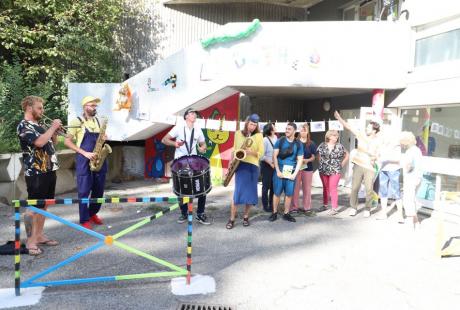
x=225, y=125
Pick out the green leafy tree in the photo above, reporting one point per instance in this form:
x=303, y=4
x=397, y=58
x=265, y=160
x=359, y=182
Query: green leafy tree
x=44, y=44
x=13, y=88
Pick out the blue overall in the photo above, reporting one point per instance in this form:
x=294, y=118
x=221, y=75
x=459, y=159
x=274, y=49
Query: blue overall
x=87, y=180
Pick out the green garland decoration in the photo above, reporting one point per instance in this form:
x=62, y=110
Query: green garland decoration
x=228, y=38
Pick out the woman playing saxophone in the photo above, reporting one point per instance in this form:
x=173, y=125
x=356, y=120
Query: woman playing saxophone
x=250, y=141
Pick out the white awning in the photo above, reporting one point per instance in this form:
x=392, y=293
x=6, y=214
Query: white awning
x=440, y=92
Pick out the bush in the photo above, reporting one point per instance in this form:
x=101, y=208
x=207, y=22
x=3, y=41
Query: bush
x=13, y=88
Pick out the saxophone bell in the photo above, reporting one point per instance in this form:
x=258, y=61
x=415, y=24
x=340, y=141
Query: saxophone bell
x=240, y=154
x=101, y=149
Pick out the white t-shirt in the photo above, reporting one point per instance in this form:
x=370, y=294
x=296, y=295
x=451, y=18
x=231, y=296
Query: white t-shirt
x=389, y=154
x=178, y=132
x=412, y=157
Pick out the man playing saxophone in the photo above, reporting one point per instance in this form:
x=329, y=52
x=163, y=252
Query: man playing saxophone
x=250, y=141
x=86, y=130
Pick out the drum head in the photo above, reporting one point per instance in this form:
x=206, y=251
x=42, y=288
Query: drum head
x=194, y=162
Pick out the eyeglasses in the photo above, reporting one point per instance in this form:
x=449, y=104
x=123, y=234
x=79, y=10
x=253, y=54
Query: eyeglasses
x=94, y=106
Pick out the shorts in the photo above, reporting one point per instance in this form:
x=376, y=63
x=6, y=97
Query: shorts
x=41, y=186
x=282, y=185
x=389, y=184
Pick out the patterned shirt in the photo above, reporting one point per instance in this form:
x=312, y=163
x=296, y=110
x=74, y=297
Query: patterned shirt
x=330, y=162
x=37, y=160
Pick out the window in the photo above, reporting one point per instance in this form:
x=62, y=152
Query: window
x=367, y=11
x=437, y=130
x=438, y=48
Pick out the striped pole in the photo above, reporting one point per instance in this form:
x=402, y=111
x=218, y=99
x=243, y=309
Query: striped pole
x=104, y=240
x=189, y=239
x=17, y=249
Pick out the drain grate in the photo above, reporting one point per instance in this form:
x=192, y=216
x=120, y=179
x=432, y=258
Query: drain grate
x=204, y=307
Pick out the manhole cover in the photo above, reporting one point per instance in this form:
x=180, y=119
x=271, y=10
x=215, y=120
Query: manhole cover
x=203, y=307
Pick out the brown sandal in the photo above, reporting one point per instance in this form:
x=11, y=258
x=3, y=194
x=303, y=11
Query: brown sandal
x=49, y=242
x=245, y=221
x=230, y=224
x=35, y=251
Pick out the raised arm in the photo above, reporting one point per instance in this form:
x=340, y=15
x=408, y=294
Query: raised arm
x=345, y=124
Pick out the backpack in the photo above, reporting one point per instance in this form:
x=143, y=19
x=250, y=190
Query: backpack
x=285, y=153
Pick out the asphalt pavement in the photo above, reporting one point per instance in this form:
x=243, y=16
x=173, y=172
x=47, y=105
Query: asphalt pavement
x=321, y=262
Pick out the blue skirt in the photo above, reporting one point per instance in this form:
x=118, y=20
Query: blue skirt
x=246, y=178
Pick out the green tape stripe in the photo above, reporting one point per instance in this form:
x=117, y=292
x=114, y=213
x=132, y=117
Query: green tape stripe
x=174, y=207
x=147, y=256
x=101, y=200
x=17, y=274
x=141, y=223
x=131, y=228
x=151, y=275
x=173, y=199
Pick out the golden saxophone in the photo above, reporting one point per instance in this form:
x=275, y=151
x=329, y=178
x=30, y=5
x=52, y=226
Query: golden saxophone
x=100, y=149
x=240, y=154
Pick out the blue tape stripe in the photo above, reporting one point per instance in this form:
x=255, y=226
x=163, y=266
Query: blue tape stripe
x=65, y=222
x=67, y=201
x=146, y=199
x=158, y=199
x=189, y=229
x=17, y=216
x=18, y=231
x=64, y=262
x=190, y=217
x=85, y=200
x=69, y=282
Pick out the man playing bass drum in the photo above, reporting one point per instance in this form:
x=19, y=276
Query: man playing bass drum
x=86, y=130
x=187, y=137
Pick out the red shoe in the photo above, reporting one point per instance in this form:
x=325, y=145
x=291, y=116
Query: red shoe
x=96, y=220
x=87, y=225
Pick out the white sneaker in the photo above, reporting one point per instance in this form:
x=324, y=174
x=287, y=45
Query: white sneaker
x=352, y=212
x=366, y=213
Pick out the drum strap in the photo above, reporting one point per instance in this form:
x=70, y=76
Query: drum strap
x=187, y=145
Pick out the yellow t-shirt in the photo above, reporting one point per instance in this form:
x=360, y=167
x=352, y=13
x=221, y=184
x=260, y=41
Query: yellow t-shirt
x=257, y=146
x=78, y=133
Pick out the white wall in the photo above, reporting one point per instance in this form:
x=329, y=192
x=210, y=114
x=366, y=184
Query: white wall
x=362, y=55
x=427, y=11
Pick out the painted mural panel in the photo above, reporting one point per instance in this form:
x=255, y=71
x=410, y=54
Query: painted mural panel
x=158, y=157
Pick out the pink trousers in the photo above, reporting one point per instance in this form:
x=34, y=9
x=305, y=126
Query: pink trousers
x=305, y=178
x=330, y=184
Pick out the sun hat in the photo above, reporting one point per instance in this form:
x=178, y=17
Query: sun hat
x=89, y=99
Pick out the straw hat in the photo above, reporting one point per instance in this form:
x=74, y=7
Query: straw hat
x=89, y=99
